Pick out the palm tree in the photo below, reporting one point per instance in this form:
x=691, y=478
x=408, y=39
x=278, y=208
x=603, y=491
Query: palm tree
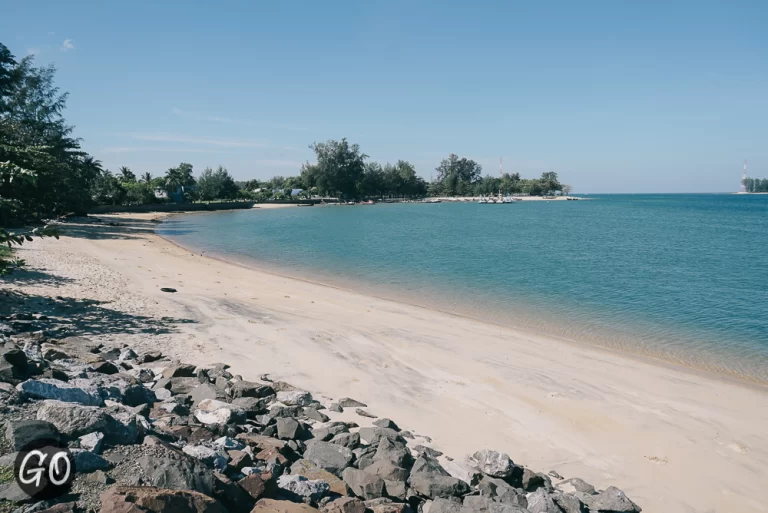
x=126, y=175
x=146, y=177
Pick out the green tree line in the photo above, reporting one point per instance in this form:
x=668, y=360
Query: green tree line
x=756, y=184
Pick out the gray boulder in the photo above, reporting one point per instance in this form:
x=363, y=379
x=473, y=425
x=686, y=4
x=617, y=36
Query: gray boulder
x=312, y=490
x=92, y=442
x=249, y=389
x=348, y=440
x=479, y=504
x=425, y=463
x=386, y=423
x=461, y=471
x=181, y=370
x=575, y=484
x=492, y=463
x=61, y=391
x=311, y=412
x=73, y=420
x=183, y=385
x=21, y=432
x=396, y=452
x=335, y=407
x=348, y=402
x=394, y=477
x=436, y=485
x=373, y=435
x=610, y=500
x=364, y=485
x=206, y=391
x=330, y=430
x=445, y=505
x=207, y=455
x=295, y=398
x=568, y=503
x=87, y=461
x=176, y=471
x=331, y=457
x=288, y=428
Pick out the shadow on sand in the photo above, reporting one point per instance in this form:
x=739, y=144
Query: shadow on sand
x=68, y=316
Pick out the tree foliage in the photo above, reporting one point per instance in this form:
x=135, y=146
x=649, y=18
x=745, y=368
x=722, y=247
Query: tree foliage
x=217, y=184
x=756, y=184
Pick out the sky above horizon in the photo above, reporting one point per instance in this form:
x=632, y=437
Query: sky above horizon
x=613, y=96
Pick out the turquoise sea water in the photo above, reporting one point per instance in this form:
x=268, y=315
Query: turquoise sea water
x=678, y=277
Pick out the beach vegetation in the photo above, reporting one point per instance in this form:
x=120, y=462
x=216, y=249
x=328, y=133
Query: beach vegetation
x=756, y=184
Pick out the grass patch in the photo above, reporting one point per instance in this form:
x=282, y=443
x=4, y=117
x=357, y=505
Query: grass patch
x=6, y=475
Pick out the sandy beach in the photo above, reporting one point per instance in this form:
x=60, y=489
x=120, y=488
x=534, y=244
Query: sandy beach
x=675, y=441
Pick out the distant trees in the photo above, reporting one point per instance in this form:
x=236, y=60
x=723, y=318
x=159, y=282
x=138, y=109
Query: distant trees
x=462, y=177
x=217, y=184
x=756, y=184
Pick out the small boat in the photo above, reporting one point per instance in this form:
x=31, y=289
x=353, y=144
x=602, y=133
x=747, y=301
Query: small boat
x=369, y=202
x=433, y=200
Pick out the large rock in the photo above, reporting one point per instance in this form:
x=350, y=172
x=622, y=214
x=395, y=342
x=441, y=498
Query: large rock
x=211, y=411
x=21, y=432
x=256, y=485
x=274, y=506
x=393, y=451
x=289, y=428
x=442, y=505
x=330, y=430
x=302, y=487
x=183, y=385
x=207, y=455
x=384, y=505
x=87, y=461
x=500, y=491
x=478, y=504
x=386, y=423
x=295, y=398
x=373, y=435
x=311, y=412
x=206, y=391
x=181, y=370
x=61, y=391
x=311, y=471
x=333, y=458
x=13, y=365
x=345, y=505
x=492, y=463
x=466, y=473
x=364, y=485
x=394, y=477
x=425, y=463
x=348, y=440
x=230, y=494
x=348, y=402
x=575, y=484
x=248, y=389
x=610, y=500
x=177, y=471
x=435, y=485
x=74, y=420
x=135, y=499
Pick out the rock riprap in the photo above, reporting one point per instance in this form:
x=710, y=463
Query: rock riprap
x=151, y=434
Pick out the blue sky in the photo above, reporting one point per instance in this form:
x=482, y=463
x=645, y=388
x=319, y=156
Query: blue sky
x=614, y=96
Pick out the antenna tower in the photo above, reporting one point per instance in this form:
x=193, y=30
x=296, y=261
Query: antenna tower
x=744, y=178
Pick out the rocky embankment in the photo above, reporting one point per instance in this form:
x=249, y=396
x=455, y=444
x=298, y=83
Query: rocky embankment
x=150, y=434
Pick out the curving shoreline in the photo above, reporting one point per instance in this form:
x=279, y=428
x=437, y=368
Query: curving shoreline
x=655, y=432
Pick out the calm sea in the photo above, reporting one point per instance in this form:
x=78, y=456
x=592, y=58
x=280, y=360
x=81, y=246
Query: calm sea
x=678, y=277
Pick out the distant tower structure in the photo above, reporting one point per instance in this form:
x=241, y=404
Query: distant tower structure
x=744, y=178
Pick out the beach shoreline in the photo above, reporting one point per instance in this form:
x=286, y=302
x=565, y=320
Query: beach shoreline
x=655, y=431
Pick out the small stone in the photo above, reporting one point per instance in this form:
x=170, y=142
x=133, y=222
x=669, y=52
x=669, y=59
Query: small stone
x=92, y=442
x=429, y=451
x=364, y=413
x=303, y=487
x=150, y=356
x=386, y=423
x=86, y=461
x=492, y=463
x=347, y=402
x=21, y=432
x=554, y=474
x=295, y=398
x=181, y=370
x=311, y=412
x=99, y=477
x=345, y=505
x=167, y=289
x=106, y=368
x=611, y=499
x=335, y=407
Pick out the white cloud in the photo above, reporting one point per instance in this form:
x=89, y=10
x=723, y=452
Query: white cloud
x=187, y=139
x=67, y=45
x=223, y=119
x=155, y=149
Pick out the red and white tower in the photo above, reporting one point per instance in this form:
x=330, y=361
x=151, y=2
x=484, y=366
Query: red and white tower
x=744, y=178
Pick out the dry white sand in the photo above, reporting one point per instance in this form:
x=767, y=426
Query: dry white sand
x=675, y=441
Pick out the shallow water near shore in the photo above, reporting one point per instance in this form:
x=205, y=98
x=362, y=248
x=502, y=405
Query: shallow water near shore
x=677, y=277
